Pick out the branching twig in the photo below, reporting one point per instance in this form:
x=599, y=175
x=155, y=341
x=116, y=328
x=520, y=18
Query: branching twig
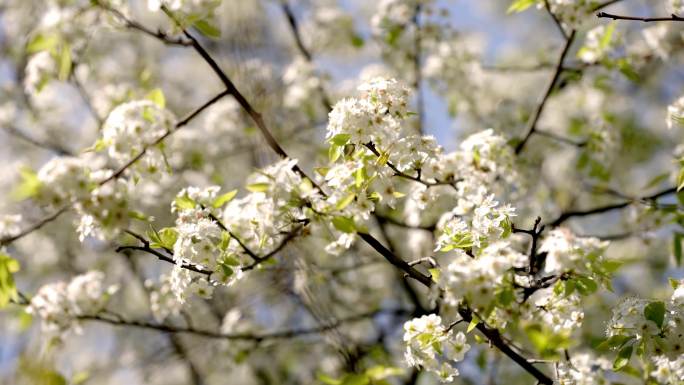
x=532, y=125
x=294, y=27
x=132, y=24
x=606, y=15
x=602, y=209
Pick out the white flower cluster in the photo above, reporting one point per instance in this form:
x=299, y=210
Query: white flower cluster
x=40, y=69
x=598, y=44
x=163, y=301
x=568, y=253
x=198, y=240
x=132, y=127
x=668, y=371
x=431, y=346
x=329, y=27
x=675, y=113
x=583, y=369
x=103, y=208
x=656, y=326
x=571, y=12
x=483, y=165
x=278, y=200
x=64, y=180
x=197, y=7
x=374, y=118
x=676, y=7
x=10, y=225
x=489, y=221
x=303, y=84
x=563, y=313
x=479, y=281
x=60, y=304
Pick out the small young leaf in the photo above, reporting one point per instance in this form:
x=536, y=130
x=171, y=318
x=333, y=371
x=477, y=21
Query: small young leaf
x=655, y=311
x=345, y=201
x=224, y=198
x=623, y=357
x=157, y=97
x=258, y=187
x=344, y=224
x=207, y=29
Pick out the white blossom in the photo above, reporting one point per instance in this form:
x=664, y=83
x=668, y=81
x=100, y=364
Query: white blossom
x=675, y=113
x=60, y=304
x=431, y=346
x=132, y=127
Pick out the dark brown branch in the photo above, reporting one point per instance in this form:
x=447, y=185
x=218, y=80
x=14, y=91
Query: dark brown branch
x=294, y=28
x=561, y=139
x=535, y=234
x=9, y=239
x=555, y=20
x=606, y=15
x=166, y=258
x=256, y=337
x=56, y=148
x=259, y=259
x=532, y=125
x=496, y=339
x=132, y=24
x=602, y=209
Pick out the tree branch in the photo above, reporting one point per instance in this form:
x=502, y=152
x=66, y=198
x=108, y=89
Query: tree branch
x=532, y=125
x=255, y=337
x=602, y=209
x=606, y=15
x=294, y=28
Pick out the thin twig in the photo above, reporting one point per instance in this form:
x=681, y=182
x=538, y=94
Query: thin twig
x=532, y=125
x=602, y=209
x=606, y=15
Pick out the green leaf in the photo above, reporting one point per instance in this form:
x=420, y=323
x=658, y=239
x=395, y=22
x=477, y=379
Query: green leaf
x=326, y=379
x=656, y=180
x=380, y=372
x=42, y=42
x=520, y=5
x=8, y=290
x=357, y=41
x=585, y=285
x=207, y=29
x=655, y=311
x=340, y=139
x=64, y=62
x=28, y=187
x=345, y=202
x=334, y=152
x=355, y=379
x=168, y=237
x=185, y=203
x=614, y=342
x=258, y=187
x=623, y=357
x=677, y=247
x=157, y=97
x=224, y=198
x=344, y=224
x=435, y=274
x=607, y=36
x=473, y=324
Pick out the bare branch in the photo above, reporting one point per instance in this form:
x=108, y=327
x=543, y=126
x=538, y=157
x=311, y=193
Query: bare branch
x=532, y=125
x=606, y=15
